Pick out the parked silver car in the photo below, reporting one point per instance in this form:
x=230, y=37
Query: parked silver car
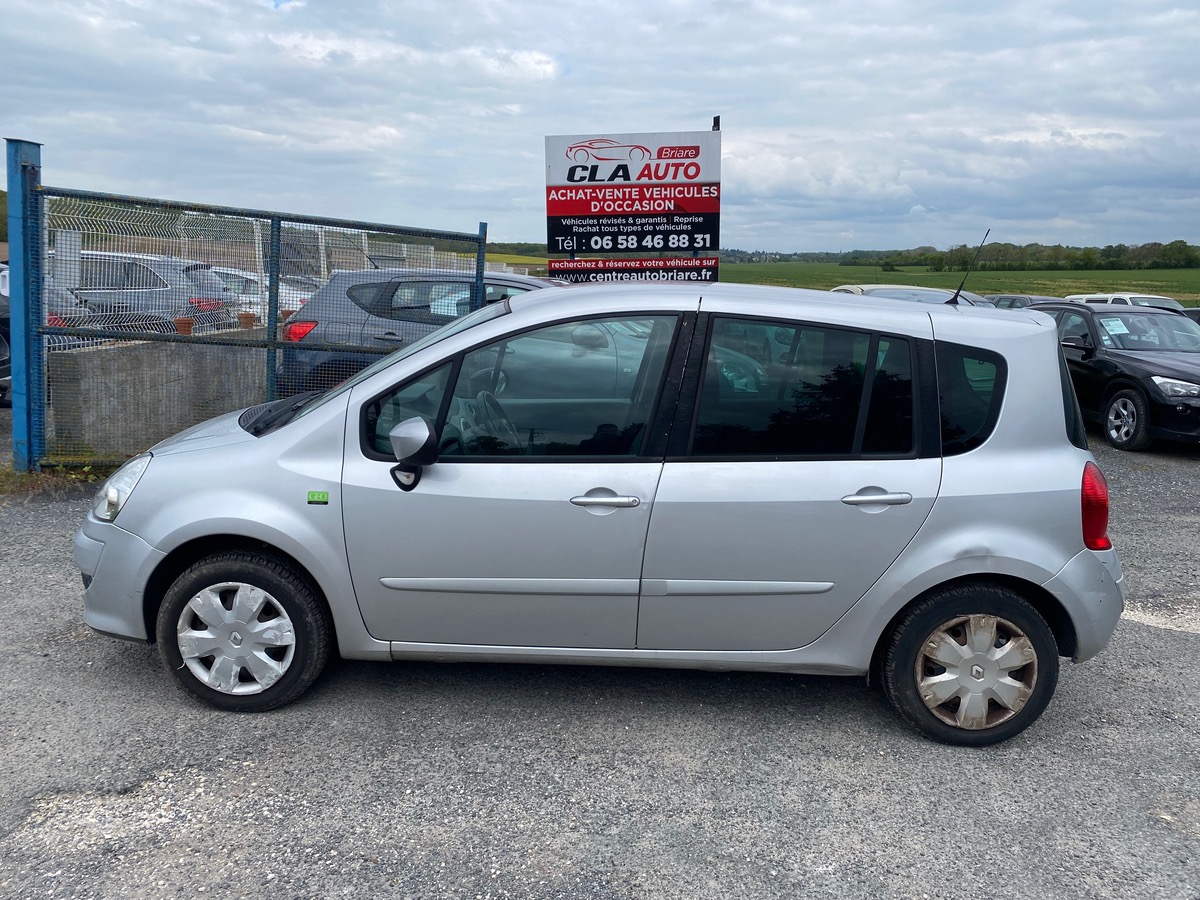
x=148, y=292
x=916, y=293
x=588, y=475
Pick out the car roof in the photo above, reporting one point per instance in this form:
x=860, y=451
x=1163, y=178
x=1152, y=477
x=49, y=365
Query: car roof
x=386, y=274
x=1109, y=309
x=768, y=300
x=884, y=290
x=1045, y=297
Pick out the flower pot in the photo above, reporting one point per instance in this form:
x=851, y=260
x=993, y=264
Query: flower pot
x=184, y=325
x=246, y=319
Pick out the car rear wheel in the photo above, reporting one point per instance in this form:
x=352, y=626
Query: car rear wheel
x=243, y=631
x=971, y=665
x=1126, y=422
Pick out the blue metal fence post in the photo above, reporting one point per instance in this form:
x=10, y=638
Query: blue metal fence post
x=24, y=176
x=480, y=260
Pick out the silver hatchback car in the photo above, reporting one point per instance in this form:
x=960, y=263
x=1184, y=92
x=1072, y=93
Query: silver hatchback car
x=604, y=475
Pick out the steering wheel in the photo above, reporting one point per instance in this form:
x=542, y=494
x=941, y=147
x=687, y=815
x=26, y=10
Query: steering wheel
x=493, y=417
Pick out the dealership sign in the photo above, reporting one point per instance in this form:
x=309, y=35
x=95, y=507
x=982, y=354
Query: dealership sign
x=633, y=193
x=683, y=268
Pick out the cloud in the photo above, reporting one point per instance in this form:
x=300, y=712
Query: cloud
x=886, y=123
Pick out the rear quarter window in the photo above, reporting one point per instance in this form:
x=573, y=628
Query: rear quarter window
x=970, y=390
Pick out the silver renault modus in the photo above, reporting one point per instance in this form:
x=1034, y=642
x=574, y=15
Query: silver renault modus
x=721, y=477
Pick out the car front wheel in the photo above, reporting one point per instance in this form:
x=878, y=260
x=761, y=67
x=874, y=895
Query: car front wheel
x=971, y=665
x=1125, y=421
x=243, y=631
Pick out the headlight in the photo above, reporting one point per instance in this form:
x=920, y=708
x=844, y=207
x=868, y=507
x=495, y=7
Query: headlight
x=114, y=492
x=1172, y=387
x=741, y=380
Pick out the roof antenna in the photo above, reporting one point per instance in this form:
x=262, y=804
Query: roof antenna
x=953, y=301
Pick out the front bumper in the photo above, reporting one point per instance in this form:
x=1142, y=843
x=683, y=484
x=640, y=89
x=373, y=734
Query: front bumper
x=115, y=566
x=1176, y=419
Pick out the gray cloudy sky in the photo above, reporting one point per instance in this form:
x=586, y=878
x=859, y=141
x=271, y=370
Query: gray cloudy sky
x=872, y=124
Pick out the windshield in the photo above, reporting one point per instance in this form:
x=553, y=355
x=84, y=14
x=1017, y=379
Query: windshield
x=483, y=314
x=1150, y=300
x=921, y=296
x=1133, y=331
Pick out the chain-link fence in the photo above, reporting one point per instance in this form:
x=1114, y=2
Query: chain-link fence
x=145, y=317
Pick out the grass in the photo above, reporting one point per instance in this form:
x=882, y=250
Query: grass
x=514, y=260
x=1182, y=284
x=54, y=480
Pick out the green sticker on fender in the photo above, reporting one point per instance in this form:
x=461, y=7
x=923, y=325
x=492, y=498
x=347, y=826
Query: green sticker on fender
x=319, y=498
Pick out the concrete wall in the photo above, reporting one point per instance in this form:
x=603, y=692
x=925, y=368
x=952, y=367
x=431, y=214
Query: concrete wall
x=113, y=401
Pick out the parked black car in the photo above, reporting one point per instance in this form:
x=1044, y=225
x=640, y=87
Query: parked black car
x=358, y=315
x=1136, y=370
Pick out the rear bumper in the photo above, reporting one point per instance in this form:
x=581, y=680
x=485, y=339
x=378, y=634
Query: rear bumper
x=1091, y=587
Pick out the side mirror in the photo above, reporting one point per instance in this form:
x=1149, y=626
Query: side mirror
x=414, y=445
x=589, y=337
x=1080, y=343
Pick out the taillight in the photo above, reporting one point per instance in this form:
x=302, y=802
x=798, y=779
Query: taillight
x=206, y=304
x=294, y=331
x=55, y=321
x=1094, y=501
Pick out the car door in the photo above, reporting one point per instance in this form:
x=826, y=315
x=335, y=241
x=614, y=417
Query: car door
x=784, y=501
x=530, y=528
x=1088, y=364
x=401, y=312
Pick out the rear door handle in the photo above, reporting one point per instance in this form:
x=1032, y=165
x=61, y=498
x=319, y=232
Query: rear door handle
x=897, y=498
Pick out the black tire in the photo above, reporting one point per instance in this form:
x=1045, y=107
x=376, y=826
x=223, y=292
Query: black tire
x=1126, y=420
x=252, y=666
x=992, y=693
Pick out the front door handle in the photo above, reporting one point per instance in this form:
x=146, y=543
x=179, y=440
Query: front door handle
x=614, y=502
x=897, y=498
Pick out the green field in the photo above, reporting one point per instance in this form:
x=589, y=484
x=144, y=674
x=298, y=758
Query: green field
x=1182, y=284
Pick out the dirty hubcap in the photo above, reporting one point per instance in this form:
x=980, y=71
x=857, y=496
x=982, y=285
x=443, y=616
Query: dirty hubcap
x=976, y=671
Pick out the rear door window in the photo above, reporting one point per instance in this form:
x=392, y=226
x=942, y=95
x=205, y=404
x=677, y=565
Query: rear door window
x=831, y=393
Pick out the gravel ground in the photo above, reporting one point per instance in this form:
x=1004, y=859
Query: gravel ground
x=477, y=781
